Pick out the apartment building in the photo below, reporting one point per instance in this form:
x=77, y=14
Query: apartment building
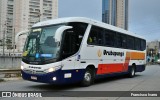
x=19, y=15
x=153, y=48
x=115, y=12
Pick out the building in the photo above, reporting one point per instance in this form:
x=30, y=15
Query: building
x=153, y=48
x=19, y=15
x=3, y=15
x=115, y=12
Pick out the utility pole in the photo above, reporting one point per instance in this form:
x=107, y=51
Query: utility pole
x=4, y=37
x=14, y=41
x=39, y=16
x=3, y=41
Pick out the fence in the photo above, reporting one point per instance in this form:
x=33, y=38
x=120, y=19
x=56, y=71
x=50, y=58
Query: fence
x=10, y=62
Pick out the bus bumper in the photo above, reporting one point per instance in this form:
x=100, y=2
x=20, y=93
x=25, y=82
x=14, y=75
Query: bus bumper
x=140, y=68
x=59, y=77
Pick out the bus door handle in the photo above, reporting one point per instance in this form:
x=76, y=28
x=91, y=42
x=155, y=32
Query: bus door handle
x=114, y=60
x=101, y=59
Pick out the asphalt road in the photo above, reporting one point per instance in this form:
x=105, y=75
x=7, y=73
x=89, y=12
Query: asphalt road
x=148, y=80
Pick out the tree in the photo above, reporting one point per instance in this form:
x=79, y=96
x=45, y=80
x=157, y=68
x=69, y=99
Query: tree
x=9, y=43
x=1, y=42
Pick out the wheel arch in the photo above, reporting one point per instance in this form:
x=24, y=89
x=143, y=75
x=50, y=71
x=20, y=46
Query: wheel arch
x=134, y=65
x=92, y=67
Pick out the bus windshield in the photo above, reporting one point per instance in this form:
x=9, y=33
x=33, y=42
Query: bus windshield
x=41, y=45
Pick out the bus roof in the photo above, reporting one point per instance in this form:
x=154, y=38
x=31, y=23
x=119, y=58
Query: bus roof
x=85, y=20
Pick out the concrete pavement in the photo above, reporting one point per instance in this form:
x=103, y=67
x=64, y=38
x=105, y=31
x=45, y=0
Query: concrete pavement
x=146, y=81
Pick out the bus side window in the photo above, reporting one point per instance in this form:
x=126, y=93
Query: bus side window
x=92, y=37
x=68, y=43
x=130, y=42
x=95, y=36
x=118, y=42
x=72, y=39
x=143, y=45
x=109, y=38
x=137, y=44
x=90, y=40
x=124, y=41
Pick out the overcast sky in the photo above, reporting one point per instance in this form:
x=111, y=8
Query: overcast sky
x=144, y=15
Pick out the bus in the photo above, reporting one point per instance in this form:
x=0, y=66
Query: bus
x=77, y=49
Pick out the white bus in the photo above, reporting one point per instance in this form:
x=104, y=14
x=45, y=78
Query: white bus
x=70, y=50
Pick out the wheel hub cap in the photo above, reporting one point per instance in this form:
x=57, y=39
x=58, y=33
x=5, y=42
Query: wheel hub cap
x=87, y=76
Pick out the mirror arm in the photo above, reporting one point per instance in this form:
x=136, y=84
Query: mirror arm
x=60, y=31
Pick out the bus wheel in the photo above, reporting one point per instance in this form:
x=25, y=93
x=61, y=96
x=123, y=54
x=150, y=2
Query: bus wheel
x=132, y=72
x=88, y=78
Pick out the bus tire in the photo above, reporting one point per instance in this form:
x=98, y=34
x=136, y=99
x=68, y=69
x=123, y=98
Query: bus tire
x=88, y=78
x=132, y=72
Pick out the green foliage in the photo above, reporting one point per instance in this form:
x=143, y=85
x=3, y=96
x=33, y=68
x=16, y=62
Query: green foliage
x=9, y=44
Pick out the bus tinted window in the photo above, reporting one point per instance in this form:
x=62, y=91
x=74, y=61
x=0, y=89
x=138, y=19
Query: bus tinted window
x=124, y=41
x=130, y=42
x=143, y=45
x=118, y=42
x=73, y=38
x=137, y=44
x=109, y=38
x=96, y=36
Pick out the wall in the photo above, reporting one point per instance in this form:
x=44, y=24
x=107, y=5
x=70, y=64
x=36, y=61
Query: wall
x=10, y=62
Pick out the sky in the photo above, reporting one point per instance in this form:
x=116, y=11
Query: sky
x=144, y=18
x=144, y=15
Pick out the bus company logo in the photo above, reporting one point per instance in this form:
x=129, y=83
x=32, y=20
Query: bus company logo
x=99, y=53
x=113, y=53
x=6, y=94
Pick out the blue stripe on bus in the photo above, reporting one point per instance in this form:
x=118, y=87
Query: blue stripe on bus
x=76, y=76
x=140, y=68
x=47, y=78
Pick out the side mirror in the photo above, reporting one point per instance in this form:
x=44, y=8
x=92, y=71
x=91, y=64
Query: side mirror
x=59, y=32
x=20, y=33
x=58, y=44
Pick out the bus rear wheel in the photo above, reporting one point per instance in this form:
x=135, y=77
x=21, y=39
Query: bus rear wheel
x=88, y=78
x=132, y=72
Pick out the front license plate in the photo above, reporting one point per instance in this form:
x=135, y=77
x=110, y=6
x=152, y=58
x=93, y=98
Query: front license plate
x=33, y=77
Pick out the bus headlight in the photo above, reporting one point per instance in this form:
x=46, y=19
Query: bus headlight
x=53, y=69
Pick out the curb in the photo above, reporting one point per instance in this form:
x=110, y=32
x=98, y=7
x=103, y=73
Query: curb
x=12, y=79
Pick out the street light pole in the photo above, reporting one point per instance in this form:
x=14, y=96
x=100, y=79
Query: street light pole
x=3, y=41
x=14, y=41
x=39, y=16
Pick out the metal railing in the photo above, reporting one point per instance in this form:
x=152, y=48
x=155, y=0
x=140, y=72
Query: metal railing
x=11, y=55
x=10, y=71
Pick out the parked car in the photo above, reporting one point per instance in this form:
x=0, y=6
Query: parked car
x=158, y=61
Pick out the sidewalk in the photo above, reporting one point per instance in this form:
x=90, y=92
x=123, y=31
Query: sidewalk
x=3, y=78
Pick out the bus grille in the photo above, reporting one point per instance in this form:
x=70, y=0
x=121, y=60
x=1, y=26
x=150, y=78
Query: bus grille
x=34, y=72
